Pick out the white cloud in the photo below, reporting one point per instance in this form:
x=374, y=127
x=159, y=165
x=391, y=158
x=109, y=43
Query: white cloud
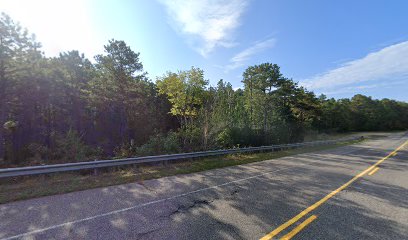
x=388, y=64
x=58, y=25
x=382, y=85
x=239, y=59
x=212, y=22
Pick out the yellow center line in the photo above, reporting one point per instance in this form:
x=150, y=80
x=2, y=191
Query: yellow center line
x=327, y=197
x=295, y=231
x=374, y=171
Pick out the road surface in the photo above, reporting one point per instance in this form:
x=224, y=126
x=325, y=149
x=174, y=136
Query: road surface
x=351, y=192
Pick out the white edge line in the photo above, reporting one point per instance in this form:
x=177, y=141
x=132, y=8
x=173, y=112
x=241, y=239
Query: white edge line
x=136, y=206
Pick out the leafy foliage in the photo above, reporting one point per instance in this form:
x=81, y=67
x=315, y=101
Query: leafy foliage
x=67, y=108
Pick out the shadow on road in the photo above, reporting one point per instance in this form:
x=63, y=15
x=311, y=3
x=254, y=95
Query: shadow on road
x=242, y=210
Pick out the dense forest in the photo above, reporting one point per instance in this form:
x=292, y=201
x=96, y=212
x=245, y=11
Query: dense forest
x=69, y=108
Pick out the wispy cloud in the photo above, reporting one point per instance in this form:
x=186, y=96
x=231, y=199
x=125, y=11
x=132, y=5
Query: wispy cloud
x=353, y=89
x=388, y=64
x=209, y=22
x=242, y=57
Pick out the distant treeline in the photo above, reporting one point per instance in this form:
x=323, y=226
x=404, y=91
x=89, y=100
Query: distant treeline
x=67, y=109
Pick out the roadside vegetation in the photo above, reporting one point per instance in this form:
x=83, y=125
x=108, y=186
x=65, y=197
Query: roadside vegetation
x=69, y=108
x=20, y=188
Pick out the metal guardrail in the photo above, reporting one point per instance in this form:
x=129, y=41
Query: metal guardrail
x=43, y=169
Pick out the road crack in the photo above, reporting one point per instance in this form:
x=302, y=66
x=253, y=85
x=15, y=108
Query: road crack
x=185, y=208
x=146, y=233
x=234, y=192
x=147, y=187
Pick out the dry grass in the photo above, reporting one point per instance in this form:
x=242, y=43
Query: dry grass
x=20, y=188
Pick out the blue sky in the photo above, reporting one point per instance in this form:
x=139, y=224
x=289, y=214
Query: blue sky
x=339, y=48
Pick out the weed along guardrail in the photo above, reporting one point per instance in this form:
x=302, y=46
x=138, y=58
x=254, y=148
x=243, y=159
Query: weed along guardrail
x=55, y=168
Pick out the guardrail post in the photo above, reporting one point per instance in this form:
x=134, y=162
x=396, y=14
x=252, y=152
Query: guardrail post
x=92, y=166
x=95, y=170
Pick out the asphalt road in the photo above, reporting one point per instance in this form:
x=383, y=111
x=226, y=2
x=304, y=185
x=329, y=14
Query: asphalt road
x=322, y=195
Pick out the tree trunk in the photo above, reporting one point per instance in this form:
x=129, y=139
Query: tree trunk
x=2, y=121
x=205, y=130
x=3, y=86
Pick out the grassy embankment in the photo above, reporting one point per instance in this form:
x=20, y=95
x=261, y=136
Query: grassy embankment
x=20, y=188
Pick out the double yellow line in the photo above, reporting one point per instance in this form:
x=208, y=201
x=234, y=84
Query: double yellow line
x=373, y=171
x=321, y=201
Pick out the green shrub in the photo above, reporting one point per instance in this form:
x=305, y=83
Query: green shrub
x=224, y=139
x=160, y=144
x=71, y=148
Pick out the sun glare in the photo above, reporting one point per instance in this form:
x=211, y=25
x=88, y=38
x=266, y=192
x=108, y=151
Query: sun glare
x=58, y=25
